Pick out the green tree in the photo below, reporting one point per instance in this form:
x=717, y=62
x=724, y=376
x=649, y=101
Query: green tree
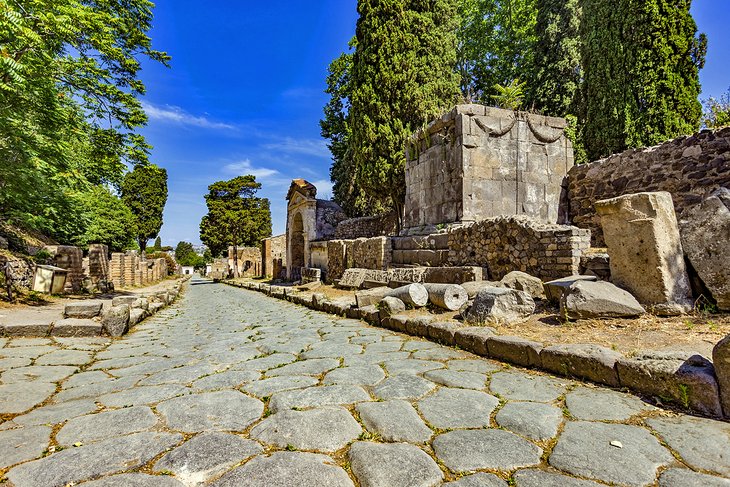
x=641, y=62
x=185, y=255
x=402, y=77
x=107, y=220
x=717, y=111
x=157, y=247
x=144, y=191
x=236, y=216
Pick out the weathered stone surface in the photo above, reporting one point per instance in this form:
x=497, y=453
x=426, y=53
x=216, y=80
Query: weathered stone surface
x=469, y=450
x=370, y=297
x=457, y=378
x=38, y=373
x=207, y=455
x=56, y=413
x=584, y=361
x=82, y=309
x=473, y=287
x=473, y=339
x=554, y=289
x=122, y=300
x=223, y=410
x=586, y=299
x=116, y=320
x=533, y=420
x=585, y=449
x=478, y=480
x=682, y=477
x=74, y=327
x=702, y=443
x=134, y=480
x=22, y=444
x=524, y=282
x=93, y=460
x=65, y=357
x=458, y=408
x=318, y=396
x=136, y=315
x=305, y=367
x=225, y=380
x=394, y=420
x=378, y=465
x=687, y=379
x=515, y=350
x=404, y=386
x=705, y=232
x=540, y=478
x=325, y=429
x=414, y=295
x=35, y=328
x=363, y=375
x=390, y=306
x=267, y=387
x=603, y=404
x=95, y=427
x=643, y=240
x=500, y=305
x=284, y=469
x=447, y=296
x=721, y=361
x=525, y=387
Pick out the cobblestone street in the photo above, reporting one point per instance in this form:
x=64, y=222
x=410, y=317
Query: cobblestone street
x=229, y=387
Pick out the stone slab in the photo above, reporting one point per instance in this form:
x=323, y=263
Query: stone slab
x=386, y=465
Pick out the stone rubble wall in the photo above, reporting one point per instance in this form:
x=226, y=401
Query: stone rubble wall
x=367, y=227
x=689, y=168
x=518, y=243
x=366, y=253
x=273, y=252
x=22, y=270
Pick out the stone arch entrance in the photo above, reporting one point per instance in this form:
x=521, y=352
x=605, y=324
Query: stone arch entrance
x=297, y=246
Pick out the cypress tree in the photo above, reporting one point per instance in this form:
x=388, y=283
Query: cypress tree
x=403, y=75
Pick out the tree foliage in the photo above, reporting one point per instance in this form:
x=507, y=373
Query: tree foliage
x=144, y=191
x=236, y=216
x=107, y=220
x=185, y=255
x=717, y=111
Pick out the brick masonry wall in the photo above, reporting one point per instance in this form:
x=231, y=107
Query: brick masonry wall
x=518, y=243
x=69, y=258
x=249, y=261
x=687, y=167
x=367, y=226
x=273, y=257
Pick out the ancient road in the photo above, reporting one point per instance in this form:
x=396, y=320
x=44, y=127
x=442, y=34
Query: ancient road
x=234, y=388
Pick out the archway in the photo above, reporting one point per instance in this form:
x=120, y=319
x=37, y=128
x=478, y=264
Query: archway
x=297, y=247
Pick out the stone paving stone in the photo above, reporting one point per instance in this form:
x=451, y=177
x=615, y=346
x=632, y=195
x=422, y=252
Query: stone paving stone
x=286, y=469
x=95, y=427
x=222, y=410
x=442, y=353
x=469, y=450
x=96, y=389
x=534, y=420
x=403, y=387
x=19, y=397
x=134, y=480
x=93, y=460
x=22, y=444
x=318, y=396
x=85, y=378
x=387, y=465
x=225, y=380
x=457, y=378
x=541, y=478
x=702, y=443
x=411, y=366
x=478, y=480
x=123, y=362
x=682, y=477
x=57, y=413
x=65, y=357
x=38, y=373
x=13, y=362
x=393, y=346
x=330, y=350
x=206, y=456
x=267, y=387
x=375, y=358
x=305, y=367
x=325, y=429
x=395, y=421
x=458, y=408
x=415, y=345
x=520, y=386
x=151, y=366
x=361, y=375
x=180, y=375
x=585, y=449
x=89, y=344
x=30, y=342
x=31, y=352
x=594, y=404
x=142, y=395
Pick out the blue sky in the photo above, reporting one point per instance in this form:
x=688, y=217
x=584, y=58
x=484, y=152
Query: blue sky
x=245, y=93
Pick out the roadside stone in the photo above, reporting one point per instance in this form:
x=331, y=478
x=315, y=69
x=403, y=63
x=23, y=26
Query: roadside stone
x=34, y=328
x=469, y=450
x=82, y=309
x=283, y=469
x=305, y=367
x=682, y=477
x=223, y=410
x=136, y=315
x=585, y=361
x=534, y=420
x=95, y=427
x=721, y=361
x=74, y=327
x=361, y=375
x=390, y=306
x=443, y=332
x=379, y=465
x=155, y=307
x=585, y=449
x=141, y=303
x=456, y=378
x=122, y=300
x=334, y=395
x=267, y=387
x=473, y=339
x=324, y=429
x=554, y=289
x=22, y=444
x=116, y=320
x=500, y=305
x=74, y=465
x=458, y=408
x=603, y=405
x=519, y=386
x=702, y=443
x=522, y=281
x=394, y=421
x=541, y=478
x=478, y=480
x=207, y=455
x=409, y=387
x=601, y=299
x=515, y=350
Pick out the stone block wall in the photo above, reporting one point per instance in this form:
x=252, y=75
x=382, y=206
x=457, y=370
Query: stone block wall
x=373, y=253
x=249, y=261
x=116, y=269
x=518, y=243
x=98, y=263
x=478, y=162
x=69, y=258
x=367, y=226
x=130, y=269
x=273, y=255
x=318, y=255
x=687, y=167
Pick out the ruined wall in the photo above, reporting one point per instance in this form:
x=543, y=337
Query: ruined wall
x=130, y=269
x=249, y=261
x=365, y=253
x=273, y=252
x=478, y=162
x=517, y=243
x=367, y=226
x=687, y=167
x=98, y=258
x=22, y=271
x=318, y=255
x=329, y=216
x=69, y=258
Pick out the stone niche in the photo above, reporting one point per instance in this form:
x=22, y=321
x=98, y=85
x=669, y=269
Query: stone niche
x=478, y=162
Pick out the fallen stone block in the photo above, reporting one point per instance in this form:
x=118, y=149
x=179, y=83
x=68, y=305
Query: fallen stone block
x=82, y=309
x=141, y=303
x=524, y=282
x=454, y=275
x=500, y=305
x=116, y=320
x=414, y=295
x=554, y=289
x=370, y=297
x=705, y=234
x=585, y=361
x=587, y=299
x=721, y=360
x=684, y=378
x=515, y=350
x=643, y=240
x=353, y=278
x=473, y=287
x=474, y=339
x=368, y=284
x=390, y=306
x=128, y=300
x=447, y=296
x=76, y=327
x=136, y=315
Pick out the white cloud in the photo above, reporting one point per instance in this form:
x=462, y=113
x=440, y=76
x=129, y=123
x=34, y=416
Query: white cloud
x=245, y=167
x=324, y=188
x=310, y=147
x=177, y=115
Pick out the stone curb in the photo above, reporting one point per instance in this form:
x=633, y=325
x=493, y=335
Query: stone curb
x=581, y=361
